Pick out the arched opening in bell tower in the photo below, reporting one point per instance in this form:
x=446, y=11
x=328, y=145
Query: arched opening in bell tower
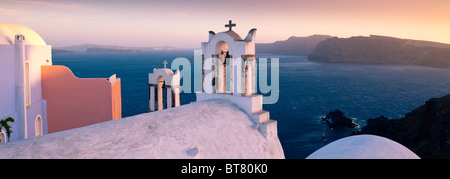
x=160, y=93
x=164, y=89
x=221, y=50
x=222, y=53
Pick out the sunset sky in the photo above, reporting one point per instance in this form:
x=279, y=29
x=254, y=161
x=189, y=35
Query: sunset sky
x=185, y=23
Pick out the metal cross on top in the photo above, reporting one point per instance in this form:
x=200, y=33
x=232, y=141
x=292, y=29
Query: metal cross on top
x=165, y=63
x=230, y=25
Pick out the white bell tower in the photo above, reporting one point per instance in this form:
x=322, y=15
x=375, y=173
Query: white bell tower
x=229, y=72
x=163, y=79
x=229, y=62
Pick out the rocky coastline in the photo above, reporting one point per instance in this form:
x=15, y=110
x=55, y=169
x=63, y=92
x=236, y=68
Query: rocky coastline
x=425, y=130
x=337, y=119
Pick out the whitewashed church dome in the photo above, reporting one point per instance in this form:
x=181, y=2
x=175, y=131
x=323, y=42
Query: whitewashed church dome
x=9, y=30
x=363, y=147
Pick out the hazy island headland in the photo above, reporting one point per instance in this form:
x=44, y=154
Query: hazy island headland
x=382, y=49
x=93, y=48
x=361, y=49
x=325, y=48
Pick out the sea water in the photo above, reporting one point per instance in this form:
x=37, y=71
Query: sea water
x=308, y=91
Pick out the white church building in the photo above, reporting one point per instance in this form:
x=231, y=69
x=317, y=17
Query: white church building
x=23, y=52
x=43, y=98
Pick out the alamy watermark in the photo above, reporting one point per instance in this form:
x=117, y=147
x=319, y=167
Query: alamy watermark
x=239, y=78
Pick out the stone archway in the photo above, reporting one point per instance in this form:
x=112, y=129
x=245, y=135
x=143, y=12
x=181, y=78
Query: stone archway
x=221, y=49
x=222, y=53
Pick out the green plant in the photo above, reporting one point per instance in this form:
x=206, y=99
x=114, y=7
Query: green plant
x=4, y=124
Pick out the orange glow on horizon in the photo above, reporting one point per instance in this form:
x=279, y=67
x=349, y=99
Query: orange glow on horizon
x=185, y=24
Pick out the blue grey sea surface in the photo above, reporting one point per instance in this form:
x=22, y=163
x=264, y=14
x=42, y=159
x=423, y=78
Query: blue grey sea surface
x=308, y=90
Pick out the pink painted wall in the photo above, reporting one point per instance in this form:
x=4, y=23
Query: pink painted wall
x=116, y=99
x=76, y=102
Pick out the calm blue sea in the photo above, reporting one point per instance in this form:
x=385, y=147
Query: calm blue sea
x=308, y=91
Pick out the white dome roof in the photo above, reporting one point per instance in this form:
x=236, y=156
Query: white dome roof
x=363, y=147
x=9, y=30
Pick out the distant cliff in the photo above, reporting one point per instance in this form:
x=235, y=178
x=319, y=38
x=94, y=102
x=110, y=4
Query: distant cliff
x=381, y=49
x=109, y=48
x=57, y=51
x=425, y=130
x=292, y=46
